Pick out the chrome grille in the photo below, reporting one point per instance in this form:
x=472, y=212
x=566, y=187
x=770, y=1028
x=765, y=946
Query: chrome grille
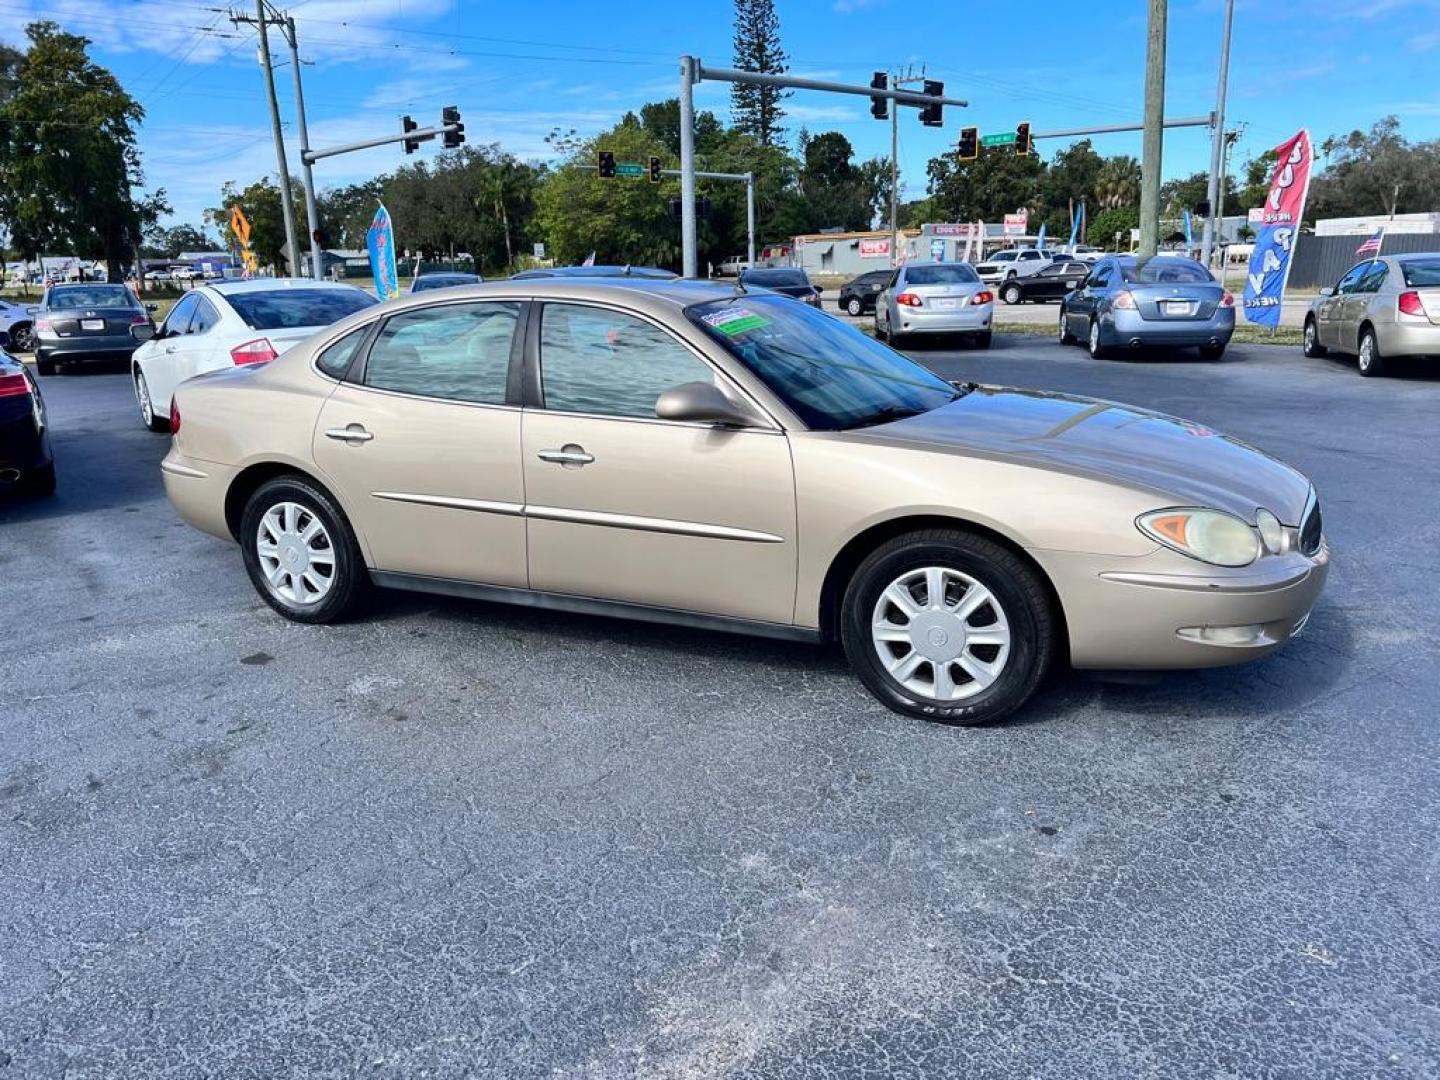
x=1311, y=527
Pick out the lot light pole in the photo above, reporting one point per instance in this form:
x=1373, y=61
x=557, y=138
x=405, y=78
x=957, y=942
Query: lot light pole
x=692, y=72
x=1153, y=144
x=1216, y=190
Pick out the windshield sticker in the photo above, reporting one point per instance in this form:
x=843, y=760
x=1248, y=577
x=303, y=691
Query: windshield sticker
x=735, y=320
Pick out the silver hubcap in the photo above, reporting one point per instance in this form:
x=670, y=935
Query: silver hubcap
x=1094, y=337
x=854, y=307
x=147, y=411
x=1367, y=350
x=1309, y=337
x=296, y=555
x=940, y=633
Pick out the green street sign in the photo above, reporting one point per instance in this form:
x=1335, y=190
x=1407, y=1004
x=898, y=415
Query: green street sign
x=630, y=168
x=1005, y=138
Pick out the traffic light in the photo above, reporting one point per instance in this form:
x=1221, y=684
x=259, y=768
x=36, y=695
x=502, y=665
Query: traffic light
x=655, y=170
x=1023, y=145
x=448, y=116
x=605, y=161
x=408, y=125
x=930, y=114
x=880, y=106
x=969, y=143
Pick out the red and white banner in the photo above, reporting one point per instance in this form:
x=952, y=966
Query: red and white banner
x=1016, y=224
x=874, y=249
x=1271, y=256
x=1290, y=181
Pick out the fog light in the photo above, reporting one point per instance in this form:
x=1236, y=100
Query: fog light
x=1223, y=635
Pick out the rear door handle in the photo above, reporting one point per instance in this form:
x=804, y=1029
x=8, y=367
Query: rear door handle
x=352, y=434
x=569, y=455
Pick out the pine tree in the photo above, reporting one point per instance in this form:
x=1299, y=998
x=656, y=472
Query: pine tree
x=756, y=109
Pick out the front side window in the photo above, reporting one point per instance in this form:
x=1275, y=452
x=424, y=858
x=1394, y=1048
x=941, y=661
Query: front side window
x=178, y=321
x=460, y=352
x=597, y=360
x=1003, y=256
x=1373, y=278
x=830, y=374
x=1351, y=279
x=1099, y=277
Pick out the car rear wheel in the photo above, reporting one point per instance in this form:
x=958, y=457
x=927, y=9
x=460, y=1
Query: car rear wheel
x=1097, y=350
x=300, y=552
x=949, y=626
x=1311, y=344
x=22, y=338
x=853, y=306
x=1371, y=362
x=982, y=341
x=1011, y=294
x=39, y=483
x=1066, y=337
x=147, y=410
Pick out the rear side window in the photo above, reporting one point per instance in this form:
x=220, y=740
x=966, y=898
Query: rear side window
x=456, y=351
x=1421, y=273
x=288, y=309
x=335, y=361
x=205, y=317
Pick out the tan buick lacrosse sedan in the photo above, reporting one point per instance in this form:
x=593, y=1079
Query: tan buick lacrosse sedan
x=684, y=452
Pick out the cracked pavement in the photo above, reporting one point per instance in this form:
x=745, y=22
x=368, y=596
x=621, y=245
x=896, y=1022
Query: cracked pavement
x=460, y=840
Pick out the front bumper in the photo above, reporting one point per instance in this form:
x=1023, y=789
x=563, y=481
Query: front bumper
x=1166, y=611
x=967, y=318
x=1125, y=327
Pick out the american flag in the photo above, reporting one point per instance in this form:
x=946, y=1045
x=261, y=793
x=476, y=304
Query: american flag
x=1371, y=247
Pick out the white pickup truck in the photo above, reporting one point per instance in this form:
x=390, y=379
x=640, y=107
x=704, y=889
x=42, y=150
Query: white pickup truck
x=732, y=266
x=1013, y=262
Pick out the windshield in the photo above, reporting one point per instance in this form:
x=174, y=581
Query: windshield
x=1421, y=273
x=92, y=296
x=830, y=374
x=955, y=274
x=1165, y=271
x=285, y=309
x=1003, y=256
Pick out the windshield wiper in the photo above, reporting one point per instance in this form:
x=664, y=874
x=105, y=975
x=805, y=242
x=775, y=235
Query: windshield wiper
x=885, y=415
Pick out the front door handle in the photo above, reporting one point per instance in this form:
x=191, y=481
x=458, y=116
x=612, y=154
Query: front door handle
x=569, y=454
x=354, y=433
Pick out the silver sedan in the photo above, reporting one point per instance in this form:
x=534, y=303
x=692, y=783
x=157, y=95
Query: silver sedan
x=935, y=298
x=1380, y=309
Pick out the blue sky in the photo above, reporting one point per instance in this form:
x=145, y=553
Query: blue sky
x=519, y=70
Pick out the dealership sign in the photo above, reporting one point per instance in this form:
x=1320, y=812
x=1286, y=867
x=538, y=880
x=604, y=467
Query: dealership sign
x=1279, y=225
x=874, y=249
x=963, y=228
x=1016, y=224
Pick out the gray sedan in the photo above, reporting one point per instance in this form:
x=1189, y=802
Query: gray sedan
x=1381, y=308
x=1132, y=302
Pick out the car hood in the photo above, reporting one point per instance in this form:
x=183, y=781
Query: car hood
x=1182, y=462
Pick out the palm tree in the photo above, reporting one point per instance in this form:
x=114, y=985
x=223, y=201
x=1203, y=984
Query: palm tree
x=1118, y=183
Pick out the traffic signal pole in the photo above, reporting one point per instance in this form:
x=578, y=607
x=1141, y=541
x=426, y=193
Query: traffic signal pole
x=692, y=72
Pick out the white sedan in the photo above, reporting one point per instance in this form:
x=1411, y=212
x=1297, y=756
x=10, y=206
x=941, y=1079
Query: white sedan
x=230, y=323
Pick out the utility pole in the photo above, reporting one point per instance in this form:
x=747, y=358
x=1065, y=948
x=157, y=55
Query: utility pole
x=1215, y=218
x=287, y=201
x=312, y=214
x=750, y=216
x=1154, y=130
x=896, y=82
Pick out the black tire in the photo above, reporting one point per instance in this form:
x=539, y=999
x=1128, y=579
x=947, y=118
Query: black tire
x=1211, y=352
x=22, y=338
x=44, y=366
x=350, y=584
x=854, y=307
x=155, y=422
x=982, y=341
x=39, y=483
x=1011, y=293
x=1311, y=346
x=1066, y=337
x=1018, y=588
x=1370, y=361
x=880, y=333
x=1092, y=342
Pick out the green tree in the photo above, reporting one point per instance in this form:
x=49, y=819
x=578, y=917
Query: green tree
x=169, y=243
x=1103, y=226
x=346, y=213
x=1376, y=172
x=1257, y=179
x=662, y=119
x=756, y=109
x=1118, y=183
x=69, y=164
x=834, y=189
x=996, y=183
x=1070, y=178
x=261, y=204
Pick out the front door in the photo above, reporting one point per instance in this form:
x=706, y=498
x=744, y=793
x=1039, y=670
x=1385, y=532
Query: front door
x=424, y=444
x=1330, y=313
x=624, y=506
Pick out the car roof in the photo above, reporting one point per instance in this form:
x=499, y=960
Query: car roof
x=659, y=296
x=651, y=273
x=248, y=285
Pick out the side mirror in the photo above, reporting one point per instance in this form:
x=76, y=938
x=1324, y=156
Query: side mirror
x=32, y=311
x=142, y=332
x=1327, y=291
x=701, y=402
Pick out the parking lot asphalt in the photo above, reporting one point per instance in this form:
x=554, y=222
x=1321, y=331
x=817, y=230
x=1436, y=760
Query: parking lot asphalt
x=464, y=840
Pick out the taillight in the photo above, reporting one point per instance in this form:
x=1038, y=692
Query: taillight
x=139, y=320
x=1410, y=304
x=984, y=296
x=259, y=351
x=174, y=417
x=1228, y=300
x=1124, y=300
x=908, y=299
x=14, y=386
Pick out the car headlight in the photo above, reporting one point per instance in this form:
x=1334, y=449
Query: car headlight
x=1208, y=535
x=1271, y=531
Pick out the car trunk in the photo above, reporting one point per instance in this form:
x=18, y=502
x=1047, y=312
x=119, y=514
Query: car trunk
x=945, y=297
x=93, y=322
x=1177, y=302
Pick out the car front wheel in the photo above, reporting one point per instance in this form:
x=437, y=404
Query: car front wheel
x=300, y=552
x=853, y=306
x=946, y=625
x=1311, y=345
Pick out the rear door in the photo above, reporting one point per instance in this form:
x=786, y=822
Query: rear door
x=422, y=439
